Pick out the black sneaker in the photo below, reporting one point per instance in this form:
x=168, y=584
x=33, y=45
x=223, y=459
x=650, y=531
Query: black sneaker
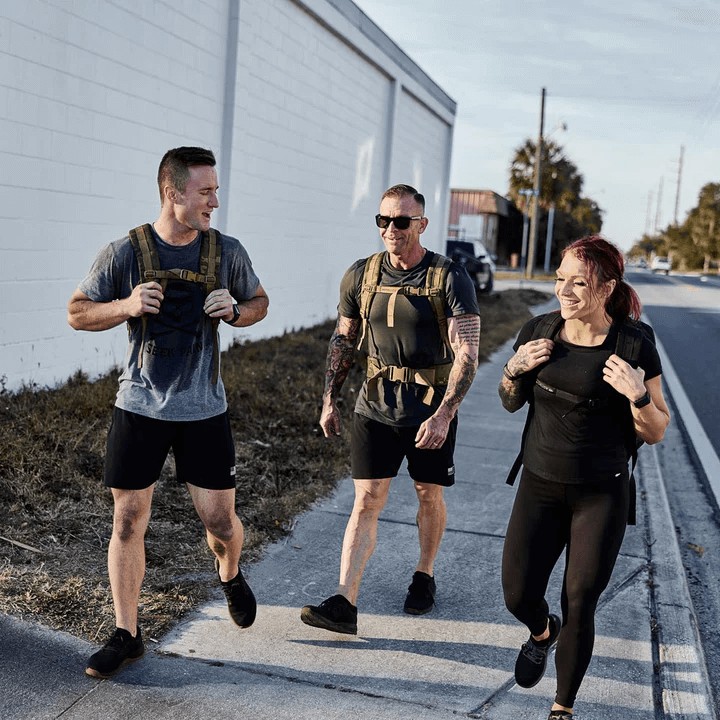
x=336, y=613
x=560, y=715
x=421, y=594
x=240, y=599
x=531, y=661
x=119, y=650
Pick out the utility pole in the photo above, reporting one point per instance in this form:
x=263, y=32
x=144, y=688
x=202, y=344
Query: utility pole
x=549, y=237
x=648, y=216
x=659, y=206
x=526, y=223
x=679, y=178
x=529, y=268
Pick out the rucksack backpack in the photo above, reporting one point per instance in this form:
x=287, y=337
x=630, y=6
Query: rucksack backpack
x=142, y=240
x=434, y=290
x=628, y=346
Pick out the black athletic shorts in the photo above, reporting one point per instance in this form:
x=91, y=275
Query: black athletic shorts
x=378, y=451
x=137, y=447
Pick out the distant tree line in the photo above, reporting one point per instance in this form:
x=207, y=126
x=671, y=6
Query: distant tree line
x=694, y=245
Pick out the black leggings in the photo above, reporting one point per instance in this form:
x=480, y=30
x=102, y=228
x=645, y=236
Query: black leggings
x=588, y=521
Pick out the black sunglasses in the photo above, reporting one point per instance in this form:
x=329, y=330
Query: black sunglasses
x=401, y=222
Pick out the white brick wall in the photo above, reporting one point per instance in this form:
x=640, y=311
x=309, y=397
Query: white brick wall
x=92, y=93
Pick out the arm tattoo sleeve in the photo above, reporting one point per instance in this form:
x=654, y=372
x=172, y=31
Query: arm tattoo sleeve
x=512, y=394
x=341, y=355
x=464, y=336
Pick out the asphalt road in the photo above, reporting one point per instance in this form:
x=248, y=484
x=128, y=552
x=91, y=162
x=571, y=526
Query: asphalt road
x=684, y=311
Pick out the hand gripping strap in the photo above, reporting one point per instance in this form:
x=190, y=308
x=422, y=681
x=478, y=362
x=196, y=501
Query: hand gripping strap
x=147, y=259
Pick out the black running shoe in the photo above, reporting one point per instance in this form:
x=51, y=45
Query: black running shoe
x=560, y=715
x=421, y=594
x=336, y=613
x=119, y=650
x=240, y=599
x=531, y=661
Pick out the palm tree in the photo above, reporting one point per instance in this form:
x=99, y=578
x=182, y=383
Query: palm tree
x=560, y=186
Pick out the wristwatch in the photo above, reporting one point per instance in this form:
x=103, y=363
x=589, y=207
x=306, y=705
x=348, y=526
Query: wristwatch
x=643, y=401
x=236, y=315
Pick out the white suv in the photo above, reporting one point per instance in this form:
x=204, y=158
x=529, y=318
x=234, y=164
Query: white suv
x=660, y=264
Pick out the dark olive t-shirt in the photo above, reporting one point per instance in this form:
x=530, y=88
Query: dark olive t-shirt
x=414, y=341
x=576, y=444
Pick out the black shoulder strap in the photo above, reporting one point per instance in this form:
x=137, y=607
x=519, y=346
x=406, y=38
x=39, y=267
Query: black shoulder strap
x=629, y=344
x=547, y=327
x=630, y=339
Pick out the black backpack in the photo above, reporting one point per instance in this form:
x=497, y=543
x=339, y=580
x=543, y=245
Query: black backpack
x=629, y=342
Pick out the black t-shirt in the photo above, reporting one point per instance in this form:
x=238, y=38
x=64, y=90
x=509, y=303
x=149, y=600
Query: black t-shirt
x=573, y=443
x=415, y=339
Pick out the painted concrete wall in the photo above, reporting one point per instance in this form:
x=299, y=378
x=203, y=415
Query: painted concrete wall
x=311, y=110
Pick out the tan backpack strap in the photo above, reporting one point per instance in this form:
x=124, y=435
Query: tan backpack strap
x=431, y=377
x=147, y=259
x=391, y=307
x=141, y=239
x=368, y=288
x=210, y=254
x=435, y=287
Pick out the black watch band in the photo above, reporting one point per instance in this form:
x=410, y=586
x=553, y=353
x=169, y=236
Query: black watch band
x=643, y=401
x=236, y=315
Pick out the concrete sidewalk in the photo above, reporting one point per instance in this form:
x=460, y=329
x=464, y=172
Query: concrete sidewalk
x=455, y=662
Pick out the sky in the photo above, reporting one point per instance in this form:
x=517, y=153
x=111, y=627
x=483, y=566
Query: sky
x=633, y=82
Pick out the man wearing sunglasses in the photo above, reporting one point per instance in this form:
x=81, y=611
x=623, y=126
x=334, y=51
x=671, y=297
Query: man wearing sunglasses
x=421, y=363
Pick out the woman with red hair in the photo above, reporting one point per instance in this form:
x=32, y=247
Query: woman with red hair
x=588, y=407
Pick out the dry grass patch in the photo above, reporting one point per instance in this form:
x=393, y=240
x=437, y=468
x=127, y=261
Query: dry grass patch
x=56, y=516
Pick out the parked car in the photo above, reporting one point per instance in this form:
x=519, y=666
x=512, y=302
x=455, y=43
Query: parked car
x=660, y=264
x=475, y=258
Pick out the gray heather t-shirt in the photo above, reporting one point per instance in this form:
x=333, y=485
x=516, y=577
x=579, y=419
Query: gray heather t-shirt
x=414, y=341
x=175, y=381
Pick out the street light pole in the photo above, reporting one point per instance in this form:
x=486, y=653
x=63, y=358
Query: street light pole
x=548, y=238
x=529, y=268
x=526, y=222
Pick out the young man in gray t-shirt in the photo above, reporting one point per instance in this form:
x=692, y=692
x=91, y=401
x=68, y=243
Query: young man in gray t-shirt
x=170, y=392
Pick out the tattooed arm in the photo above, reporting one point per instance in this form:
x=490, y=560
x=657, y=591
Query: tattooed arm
x=340, y=357
x=464, y=336
x=528, y=356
